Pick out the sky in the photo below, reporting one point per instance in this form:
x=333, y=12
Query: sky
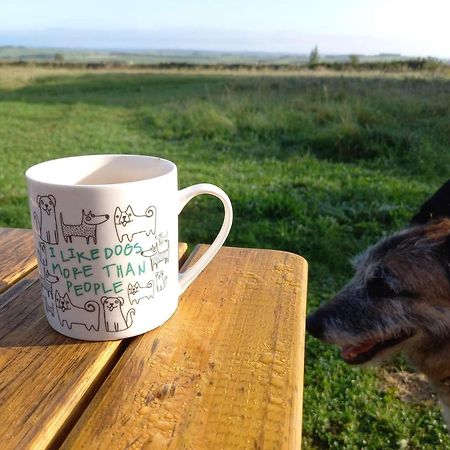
x=408, y=27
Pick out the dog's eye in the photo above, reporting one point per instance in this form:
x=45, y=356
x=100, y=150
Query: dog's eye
x=378, y=287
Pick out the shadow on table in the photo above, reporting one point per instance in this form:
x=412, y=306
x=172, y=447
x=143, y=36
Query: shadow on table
x=23, y=322
x=3, y=286
x=37, y=334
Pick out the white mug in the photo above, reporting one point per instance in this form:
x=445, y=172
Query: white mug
x=106, y=236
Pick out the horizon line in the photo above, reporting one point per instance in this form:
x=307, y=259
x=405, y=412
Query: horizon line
x=228, y=52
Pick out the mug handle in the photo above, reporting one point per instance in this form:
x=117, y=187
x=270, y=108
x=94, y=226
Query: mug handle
x=187, y=194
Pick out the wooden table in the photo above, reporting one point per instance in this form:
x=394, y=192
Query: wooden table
x=225, y=372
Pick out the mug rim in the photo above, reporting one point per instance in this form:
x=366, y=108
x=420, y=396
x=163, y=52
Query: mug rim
x=34, y=173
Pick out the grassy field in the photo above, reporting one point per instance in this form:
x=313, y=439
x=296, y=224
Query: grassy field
x=315, y=163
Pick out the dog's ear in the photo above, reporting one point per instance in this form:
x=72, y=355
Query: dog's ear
x=436, y=207
x=121, y=300
x=103, y=300
x=52, y=200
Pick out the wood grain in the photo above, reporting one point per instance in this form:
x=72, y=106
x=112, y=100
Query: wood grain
x=46, y=379
x=43, y=375
x=17, y=255
x=225, y=372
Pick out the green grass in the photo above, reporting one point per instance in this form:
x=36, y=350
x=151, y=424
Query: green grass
x=316, y=164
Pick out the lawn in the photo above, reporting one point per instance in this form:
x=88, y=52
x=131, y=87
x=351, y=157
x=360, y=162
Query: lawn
x=315, y=163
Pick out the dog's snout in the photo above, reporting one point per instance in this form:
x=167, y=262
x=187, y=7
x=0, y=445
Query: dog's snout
x=315, y=325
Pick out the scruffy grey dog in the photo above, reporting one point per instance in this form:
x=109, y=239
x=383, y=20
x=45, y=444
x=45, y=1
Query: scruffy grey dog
x=399, y=300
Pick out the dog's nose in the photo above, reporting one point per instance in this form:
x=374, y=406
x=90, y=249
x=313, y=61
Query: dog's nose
x=315, y=325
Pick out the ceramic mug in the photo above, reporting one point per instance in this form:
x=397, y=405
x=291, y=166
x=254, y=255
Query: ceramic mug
x=106, y=236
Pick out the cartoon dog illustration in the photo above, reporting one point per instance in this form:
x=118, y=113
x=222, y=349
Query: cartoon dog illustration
x=162, y=238
x=47, y=282
x=156, y=256
x=137, y=292
x=89, y=315
x=48, y=303
x=128, y=223
x=42, y=253
x=46, y=220
x=115, y=320
x=161, y=281
x=86, y=229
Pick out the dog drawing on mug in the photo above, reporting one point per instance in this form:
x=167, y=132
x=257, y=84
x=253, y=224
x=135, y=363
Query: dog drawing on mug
x=46, y=219
x=128, y=223
x=156, y=255
x=42, y=254
x=115, y=319
x=70, y=314
x=137, y=292
x=398, y=300
x=87, y=229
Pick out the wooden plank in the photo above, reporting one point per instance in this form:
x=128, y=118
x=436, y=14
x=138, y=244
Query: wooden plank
x=46, y=379
x=182, y=253
x=17, y=250
x=44, y=376
x=225, y=372
x=17, y=288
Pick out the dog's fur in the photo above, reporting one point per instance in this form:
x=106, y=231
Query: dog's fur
x=399, y=300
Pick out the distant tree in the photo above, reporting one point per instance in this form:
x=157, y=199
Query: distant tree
x=314, y=57
x=354, y=60
x=59, y=57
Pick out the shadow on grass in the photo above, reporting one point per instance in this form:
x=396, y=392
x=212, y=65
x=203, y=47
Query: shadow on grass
x=344, y=119
x=114, y=89
x=128, y=89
